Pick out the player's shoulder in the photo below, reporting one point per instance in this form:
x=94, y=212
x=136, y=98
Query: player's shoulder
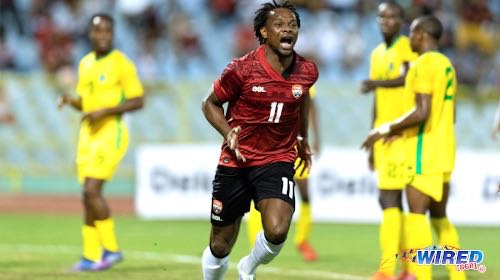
x=306, y=65
x=120, y=56
x=380, y=48
x=432, y=58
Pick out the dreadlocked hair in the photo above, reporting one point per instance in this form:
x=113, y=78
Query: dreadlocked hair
x=262, y=14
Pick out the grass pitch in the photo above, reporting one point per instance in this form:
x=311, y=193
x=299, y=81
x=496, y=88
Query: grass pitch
x=45, y=246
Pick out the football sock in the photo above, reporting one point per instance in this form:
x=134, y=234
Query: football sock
x=403, y=243
x=214, y=268
x=262, y=253
x=106, y=231
x=448, y=236
x=389, y=236
x=303, y=227
x=419, y=236
x=91, y=246
x=254, y=225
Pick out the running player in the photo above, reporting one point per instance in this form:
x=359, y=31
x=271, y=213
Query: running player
x=264, y=129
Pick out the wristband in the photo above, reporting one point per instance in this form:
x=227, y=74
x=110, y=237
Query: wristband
x=384, y=129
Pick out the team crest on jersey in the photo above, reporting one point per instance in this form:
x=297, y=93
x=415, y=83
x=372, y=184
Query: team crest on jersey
x=216, y=206
x=297, y=91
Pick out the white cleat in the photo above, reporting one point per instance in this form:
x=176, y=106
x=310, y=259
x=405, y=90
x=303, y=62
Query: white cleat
x=242, y=275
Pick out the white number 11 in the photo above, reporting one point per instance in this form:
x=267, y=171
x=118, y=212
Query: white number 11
x=275, y=114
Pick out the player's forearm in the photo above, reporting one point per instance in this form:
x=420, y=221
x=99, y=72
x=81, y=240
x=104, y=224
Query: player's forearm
x=408, y=120
x=214, y=113
x=398, y=82
x=128, y=106
x=75, y=103
x=304, y=117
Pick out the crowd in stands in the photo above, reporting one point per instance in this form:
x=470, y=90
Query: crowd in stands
x=188, y=39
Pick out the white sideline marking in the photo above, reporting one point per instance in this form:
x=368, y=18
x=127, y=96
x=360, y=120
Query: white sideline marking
x=184, y=259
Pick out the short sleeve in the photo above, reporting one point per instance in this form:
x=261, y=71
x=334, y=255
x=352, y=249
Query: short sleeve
x=423, y=77
x=230, y=82
x=132, y=86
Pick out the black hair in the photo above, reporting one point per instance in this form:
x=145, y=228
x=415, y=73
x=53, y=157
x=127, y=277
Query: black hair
x=104, y=16
x=430, y=25
x=262, y=14
x=396, y=5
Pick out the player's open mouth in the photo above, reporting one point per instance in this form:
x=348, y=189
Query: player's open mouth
x=286, y=42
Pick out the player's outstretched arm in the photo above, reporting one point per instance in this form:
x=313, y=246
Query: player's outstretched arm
x=65, y=99
x=370, y=85
x=129, y=105
x=214, y=113
x=414, y=117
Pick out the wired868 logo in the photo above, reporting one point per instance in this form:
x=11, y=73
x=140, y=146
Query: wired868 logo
x=448, y=255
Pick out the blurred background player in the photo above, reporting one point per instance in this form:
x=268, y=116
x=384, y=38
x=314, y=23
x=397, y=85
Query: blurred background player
x=301, y=178
x=265, y=127
x=429, y=131
x=107, y=88
x=389, y=64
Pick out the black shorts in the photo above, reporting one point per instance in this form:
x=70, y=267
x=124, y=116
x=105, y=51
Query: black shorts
x=234, y=188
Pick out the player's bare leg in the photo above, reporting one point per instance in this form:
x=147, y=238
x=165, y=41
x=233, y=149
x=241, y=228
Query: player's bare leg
x=216, y=255
x=303, y=226
x=276, y=218
x=445, y=230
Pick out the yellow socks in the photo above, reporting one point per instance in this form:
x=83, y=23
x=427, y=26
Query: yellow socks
x=419, y=236
x=447, y=235
x=390, y=236
x=91, y=246
x=303, y=226
x=106, y=231
x=254, y=225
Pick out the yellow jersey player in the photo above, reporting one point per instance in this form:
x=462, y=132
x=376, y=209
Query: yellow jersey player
x=429, y=133
x=389, y=64
x=107, y=88
x=301, y=177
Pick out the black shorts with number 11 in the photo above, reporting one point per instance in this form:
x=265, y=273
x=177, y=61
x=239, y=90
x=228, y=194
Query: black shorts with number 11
x=234, y=188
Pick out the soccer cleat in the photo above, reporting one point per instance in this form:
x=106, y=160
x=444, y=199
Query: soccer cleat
x=381, y=276
x=86, y=265
x=405, y=275
x=112, y=257
x=242, y=275
x=307, y=251
x=109, y=259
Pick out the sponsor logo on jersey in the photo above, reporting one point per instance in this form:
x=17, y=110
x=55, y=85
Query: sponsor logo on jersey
x=216, y=206
x=297, y=91
x=258, y=89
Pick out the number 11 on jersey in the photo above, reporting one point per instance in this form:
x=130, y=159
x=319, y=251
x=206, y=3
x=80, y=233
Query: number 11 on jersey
x=275, y=114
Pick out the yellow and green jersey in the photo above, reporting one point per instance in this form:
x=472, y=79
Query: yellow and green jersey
x=387, y=63
x=432, y=144
x=107, y=81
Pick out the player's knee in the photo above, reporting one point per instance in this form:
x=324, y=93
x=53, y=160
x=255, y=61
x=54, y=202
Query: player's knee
x=89, y=195
x=220, y=247
x=390, y=200
x=277, y=233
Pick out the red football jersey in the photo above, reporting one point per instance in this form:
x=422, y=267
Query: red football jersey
x=265, y=105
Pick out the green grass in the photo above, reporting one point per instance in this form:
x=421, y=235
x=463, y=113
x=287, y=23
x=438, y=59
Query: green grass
x=44, y=246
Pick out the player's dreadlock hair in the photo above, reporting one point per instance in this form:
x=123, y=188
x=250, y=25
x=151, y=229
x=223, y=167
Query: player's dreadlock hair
x=262, y=14
x=104, y=16
x=430, y=25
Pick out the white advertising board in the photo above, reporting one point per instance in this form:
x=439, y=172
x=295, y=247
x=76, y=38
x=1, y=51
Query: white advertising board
x=175, y=181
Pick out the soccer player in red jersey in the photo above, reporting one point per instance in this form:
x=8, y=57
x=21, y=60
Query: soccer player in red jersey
x=267, y=91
